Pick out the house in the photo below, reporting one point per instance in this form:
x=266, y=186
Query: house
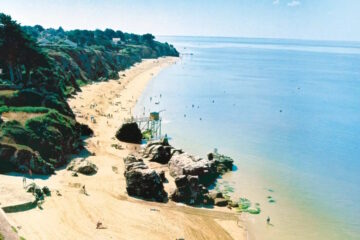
x=116, y=40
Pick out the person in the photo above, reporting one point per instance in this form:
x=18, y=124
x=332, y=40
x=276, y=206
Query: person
x=24, y=181
x=268, y=220
x=84, y=190
x=98, y=225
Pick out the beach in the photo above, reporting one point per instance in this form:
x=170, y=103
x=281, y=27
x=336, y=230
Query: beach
x=73, y=215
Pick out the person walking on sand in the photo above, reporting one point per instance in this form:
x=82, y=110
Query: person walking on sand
x=24, y=181
x=268, y=220
x=84, y=190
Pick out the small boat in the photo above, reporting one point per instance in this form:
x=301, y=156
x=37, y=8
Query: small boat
x=157, y=103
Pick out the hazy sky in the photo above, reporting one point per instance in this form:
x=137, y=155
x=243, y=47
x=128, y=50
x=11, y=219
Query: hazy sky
x=305, y=19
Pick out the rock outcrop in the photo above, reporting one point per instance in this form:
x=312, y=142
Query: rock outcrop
x=129, y=132
x=82, y=165
x=160, y=152
x=141, y=181
x=222, y=163
x=192, y=174
x=188, y=190
x=185, y=164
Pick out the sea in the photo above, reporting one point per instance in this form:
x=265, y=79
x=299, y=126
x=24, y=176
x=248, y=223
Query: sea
x=287, y=112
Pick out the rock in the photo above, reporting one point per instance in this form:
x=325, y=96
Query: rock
x=129, y=132
x=36, y=191
x=74, y=174
x=233, y=204
x=46, y=191
x=82, y=165
x=215, y=194
x=223, y=163
x=86, y=130
x=207, y=200
x=188, y=190
x=221, y=202
x=142, y=181
x=162, y=175
x=185, y=164
x=159, y=151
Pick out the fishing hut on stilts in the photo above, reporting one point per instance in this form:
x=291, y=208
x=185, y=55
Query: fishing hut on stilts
x=149, y=126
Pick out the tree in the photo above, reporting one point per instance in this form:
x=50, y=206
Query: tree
x=120, y=34
x=18, y=50
x=148, y=38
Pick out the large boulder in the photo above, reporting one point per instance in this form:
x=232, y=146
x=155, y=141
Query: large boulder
x=82, y=165
x=221, y=202
x=188, y=190
x=222, y=163
x=185, y=164
x=141, y=181
x=129, y=132
x=86, y=130
x=160, y=151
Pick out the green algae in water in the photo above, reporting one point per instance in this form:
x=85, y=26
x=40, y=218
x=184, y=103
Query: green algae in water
x=270, y=199
x=256, y=210
x=245, y=206
x=244, y=203
x=227, y=197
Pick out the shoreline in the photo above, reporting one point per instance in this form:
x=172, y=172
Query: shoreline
x=124, y=217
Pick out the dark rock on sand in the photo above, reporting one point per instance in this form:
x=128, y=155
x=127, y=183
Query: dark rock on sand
x=221, y=202
x=82, y=165
x=142, y=181
x=185, y=164
x=188, y=190
x=129, y=132
x=160, y=151
x=86, y=130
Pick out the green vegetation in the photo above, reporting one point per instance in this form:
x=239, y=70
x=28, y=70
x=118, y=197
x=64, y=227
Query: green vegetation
x=21, y=238
x=147, y=134
x=2, y=237
x=14, y=229
x=246, y=206
x=40, y=69
x=24, y=109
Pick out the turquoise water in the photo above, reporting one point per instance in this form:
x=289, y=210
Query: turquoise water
x=288, y=111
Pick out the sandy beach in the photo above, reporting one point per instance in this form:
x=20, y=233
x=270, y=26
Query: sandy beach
x=74, y=215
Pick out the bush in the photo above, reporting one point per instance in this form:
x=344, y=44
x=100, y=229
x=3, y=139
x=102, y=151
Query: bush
x=129, y=132
x=53, y=135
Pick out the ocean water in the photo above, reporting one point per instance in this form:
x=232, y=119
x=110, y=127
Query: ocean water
x=287, y=111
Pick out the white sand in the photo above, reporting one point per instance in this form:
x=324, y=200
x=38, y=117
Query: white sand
x=74, y=215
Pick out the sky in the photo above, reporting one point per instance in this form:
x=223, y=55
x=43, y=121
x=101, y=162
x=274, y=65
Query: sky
x=294, y=19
